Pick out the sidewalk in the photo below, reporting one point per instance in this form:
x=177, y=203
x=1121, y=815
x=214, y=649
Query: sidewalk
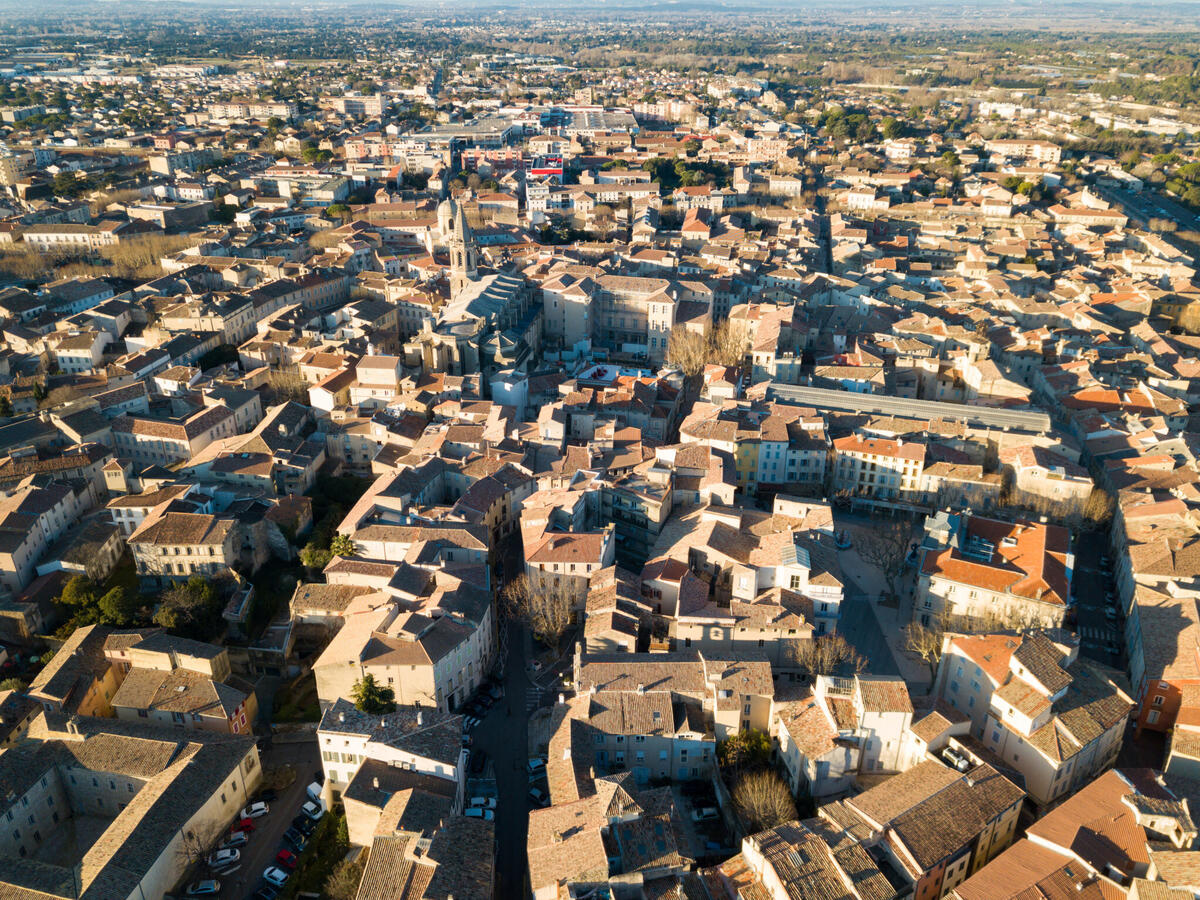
x=870, y=581
x=914, y=671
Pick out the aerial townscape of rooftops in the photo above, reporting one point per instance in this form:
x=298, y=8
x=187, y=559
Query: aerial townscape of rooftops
x=649, y=452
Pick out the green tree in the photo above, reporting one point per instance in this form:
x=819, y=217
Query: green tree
x=748, y=749
x=224, y=213
x=314, y=557
x=342, y=545
x=372, y=697
x=119, y=607
x=79, y=593
x=12, y=684
x=338, y=211
x=193, y=608
x=68, y=184
x=892, y=128
x=6, y=407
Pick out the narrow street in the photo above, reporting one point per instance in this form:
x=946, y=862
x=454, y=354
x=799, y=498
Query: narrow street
x=1100, y=637
x=504, y=736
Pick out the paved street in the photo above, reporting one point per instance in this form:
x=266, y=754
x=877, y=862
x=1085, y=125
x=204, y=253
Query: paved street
x=265, y=841
x=861, y=628
x=876, y=630
x=1100, y=637
x=504, y=736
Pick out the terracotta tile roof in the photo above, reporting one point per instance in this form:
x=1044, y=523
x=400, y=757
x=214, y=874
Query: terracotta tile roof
x=1097, y=825
x=1027, y=560
x=1028, y=871
x=884, y=694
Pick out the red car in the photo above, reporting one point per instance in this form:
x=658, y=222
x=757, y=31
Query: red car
x=244, y=825
x=287, y=859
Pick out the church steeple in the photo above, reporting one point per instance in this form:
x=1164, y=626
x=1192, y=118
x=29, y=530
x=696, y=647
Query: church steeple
x=464, y=255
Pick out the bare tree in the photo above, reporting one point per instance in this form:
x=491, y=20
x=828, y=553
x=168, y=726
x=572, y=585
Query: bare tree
x=925, y=641
x=342, y=883
x=1098, y=511
x=763, y=801
x=728, y=344
x=545, y=608
x=885, y=547
x=323, y=240
x=691, y=350
x=191, y=849
x=686, y=349
x=828, y=654
x=288, y=385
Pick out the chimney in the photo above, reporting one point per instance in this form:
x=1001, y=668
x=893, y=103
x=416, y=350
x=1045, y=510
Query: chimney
x=375, y=782
x=641, y=688
x=420, y=717
x=341, y=717
x=562, y=698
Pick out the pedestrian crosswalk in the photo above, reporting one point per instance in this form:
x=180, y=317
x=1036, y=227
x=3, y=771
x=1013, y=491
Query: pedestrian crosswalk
x=533, y=698
x=1090, y=633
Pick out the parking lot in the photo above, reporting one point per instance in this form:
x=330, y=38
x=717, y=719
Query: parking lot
x=267, y=838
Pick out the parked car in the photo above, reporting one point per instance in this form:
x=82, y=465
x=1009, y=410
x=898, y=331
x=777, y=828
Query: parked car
x=704, y=813
x=483, y=802
x=314, y=791
x=207, y=888
x=266, y=795
x=538, y=796
x=266, y=891
x=479, y=760
x=255, y=810
x=244, y=825
x=475, y=812
x=235, y=839
x=314, y=809
x=496, y=692
x=294, y=839
x=470, y=722
x=319, y=776
x=287, y=859
x=276, y=876
x=304, y=825
x=1110, y=614
x=221, y=859
x=537, y=765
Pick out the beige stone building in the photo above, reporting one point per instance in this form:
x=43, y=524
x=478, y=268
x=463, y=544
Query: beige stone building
x=421, y=742
x=155, y=798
